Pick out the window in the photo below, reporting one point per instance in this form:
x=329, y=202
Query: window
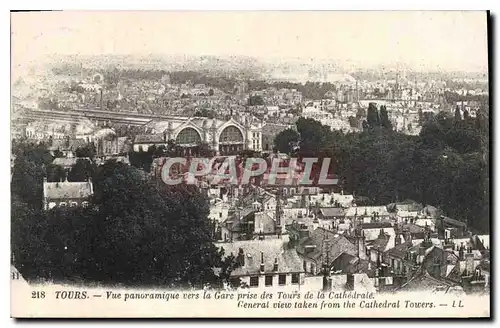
x=254, y=281
x=74, y=204
x=282, y=279
x=85, y=204
x=231, y=134
x=295, y=278
x=188, y=136
x=220, y=214
x=62, y=204
x=269, y=280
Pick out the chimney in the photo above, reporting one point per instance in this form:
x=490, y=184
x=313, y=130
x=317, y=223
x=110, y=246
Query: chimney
x=102, y=101
x=275, y=266
x=241, y=257
x=261, y=262
x=350, y=282
x=469, y=264
x=397, y=240
x=461, y=252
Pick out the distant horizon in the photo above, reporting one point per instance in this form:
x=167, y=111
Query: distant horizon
x=421, y=41
x=265, y=60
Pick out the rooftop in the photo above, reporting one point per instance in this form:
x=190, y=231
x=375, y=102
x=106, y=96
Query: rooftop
x=67, y=190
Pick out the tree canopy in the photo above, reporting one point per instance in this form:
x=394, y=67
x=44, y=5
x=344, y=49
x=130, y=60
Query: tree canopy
x=134, y=233
x=445, y=166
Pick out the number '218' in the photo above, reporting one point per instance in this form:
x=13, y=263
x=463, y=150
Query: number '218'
x=37, y=294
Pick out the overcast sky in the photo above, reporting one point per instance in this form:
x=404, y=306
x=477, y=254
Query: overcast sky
x=452, y=40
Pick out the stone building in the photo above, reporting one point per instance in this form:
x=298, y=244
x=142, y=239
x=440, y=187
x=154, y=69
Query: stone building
x=225, y=137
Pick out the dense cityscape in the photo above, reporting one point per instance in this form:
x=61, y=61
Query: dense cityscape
x=411, y=152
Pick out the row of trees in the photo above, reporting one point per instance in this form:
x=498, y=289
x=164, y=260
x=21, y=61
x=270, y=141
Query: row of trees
x=445, y=166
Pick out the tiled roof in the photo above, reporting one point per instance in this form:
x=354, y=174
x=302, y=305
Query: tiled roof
x=425, y=282
x=380, y=243
x=332, y=211
x=288, y=259
x=322, y=238
x=68, y=161
x=400, y=250
x=453, y=221
x=66, y=190
x=372, y=234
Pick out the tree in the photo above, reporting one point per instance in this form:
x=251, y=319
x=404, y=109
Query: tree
x=283, y=141
x=372, y=116
x=384, y=118
x=82, y=170
x=458, y=116
x=255, y=101
x=55, y=173
x=30, y=168
x=88, y=151
x=135, y=233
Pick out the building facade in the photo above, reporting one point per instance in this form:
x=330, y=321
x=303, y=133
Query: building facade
x=225, y=137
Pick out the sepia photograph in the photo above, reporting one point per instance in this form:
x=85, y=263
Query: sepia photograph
x=250, y=164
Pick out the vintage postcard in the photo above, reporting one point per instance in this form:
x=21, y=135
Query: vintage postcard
x=250, y=164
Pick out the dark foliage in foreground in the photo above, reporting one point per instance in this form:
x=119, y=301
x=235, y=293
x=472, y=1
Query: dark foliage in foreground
x=447, y=165
x=135, y=233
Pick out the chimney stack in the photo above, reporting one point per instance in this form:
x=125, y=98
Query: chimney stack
x=461, y=252
x=350, y=282
x=241, y=257
x=102, y=101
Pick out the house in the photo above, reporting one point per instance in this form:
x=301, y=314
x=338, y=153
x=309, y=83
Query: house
x=323, y=245
x=240, y=224
x=66, y=193
x=457, y=228
x=372, y=230
x=401, y=261
x=265, y=263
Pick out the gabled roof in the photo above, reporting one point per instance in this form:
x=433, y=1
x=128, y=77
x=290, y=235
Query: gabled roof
x=332, y=211
x=288, y=260
x=453, y=221
x=326, y=240
x=423, y=281
x=399, y=251
x=67, y=190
